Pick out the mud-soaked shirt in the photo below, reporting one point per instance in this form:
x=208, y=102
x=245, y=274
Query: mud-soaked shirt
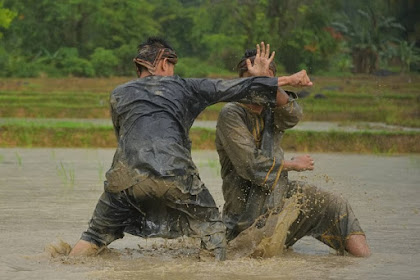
x=251, y=159
x=152, y=117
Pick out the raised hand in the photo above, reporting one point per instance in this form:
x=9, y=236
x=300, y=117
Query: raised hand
x=261, y=62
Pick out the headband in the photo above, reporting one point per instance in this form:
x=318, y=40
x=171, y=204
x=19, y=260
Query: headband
x=163, y=53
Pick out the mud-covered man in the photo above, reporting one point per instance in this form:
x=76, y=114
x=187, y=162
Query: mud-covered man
x=153, y=188
x=255, y=172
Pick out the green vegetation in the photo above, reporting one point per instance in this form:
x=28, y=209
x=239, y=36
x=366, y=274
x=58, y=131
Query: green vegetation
x=348, y=99
x=391, y=100
x=61, y=134
x=18, y=159
x=51, y=51
x=86, y=136
x=66, y=173
x=390, y=109
x=383, y=142
x=369, y=34
x=6, y=17
x=99, y=38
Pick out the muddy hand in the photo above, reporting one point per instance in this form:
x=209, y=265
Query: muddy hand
x=261, y=62
x=300, y=79
x=303, y=163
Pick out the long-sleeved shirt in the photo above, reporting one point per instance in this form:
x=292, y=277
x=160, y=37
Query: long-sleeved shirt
x=252, y=160
x=152, y=117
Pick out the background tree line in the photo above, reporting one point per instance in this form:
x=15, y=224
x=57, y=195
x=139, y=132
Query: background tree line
x=99, y=37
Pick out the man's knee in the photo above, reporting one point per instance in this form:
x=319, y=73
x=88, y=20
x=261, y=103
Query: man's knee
x=356, y=245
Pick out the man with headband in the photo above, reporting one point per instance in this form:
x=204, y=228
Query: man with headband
x=255, y=173
x=153, y=188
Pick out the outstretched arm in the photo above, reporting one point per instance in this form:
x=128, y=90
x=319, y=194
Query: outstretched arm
x=299, y=79
x=299, y=163
x=256, y=90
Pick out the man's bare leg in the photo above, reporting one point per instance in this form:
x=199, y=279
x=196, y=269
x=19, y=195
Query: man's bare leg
x=84, y=248
x=357, y=246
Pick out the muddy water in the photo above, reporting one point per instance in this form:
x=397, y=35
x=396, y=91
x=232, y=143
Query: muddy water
x=48, y=195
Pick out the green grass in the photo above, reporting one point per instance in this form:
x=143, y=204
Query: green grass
x=53, y=99
x=18, y=159
x=61, y=134
x=66, y=173
x=383, y=142
x=72, y=134
x=392, y=100
x=401, y=109
x=53, y=124
x=349, y=99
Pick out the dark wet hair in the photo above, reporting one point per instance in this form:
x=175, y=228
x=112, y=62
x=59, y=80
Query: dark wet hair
x=151, y=51
x=250, y=54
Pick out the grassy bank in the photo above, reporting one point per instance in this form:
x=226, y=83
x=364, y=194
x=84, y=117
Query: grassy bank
x=391, y=100
x=69, y=134
x=354, y=98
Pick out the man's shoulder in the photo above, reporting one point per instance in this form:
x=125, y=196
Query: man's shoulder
x=140, y=82
x=233, y=114
x=124, y=86
x=231, y=108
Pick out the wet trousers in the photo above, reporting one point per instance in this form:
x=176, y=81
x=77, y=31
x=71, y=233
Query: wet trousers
x=325, y=216
x=156, y=208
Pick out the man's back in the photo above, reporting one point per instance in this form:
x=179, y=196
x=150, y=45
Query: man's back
x=152, y=117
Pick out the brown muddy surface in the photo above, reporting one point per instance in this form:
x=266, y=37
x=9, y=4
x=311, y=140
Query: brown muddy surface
x=47, y=197
x=324, y=126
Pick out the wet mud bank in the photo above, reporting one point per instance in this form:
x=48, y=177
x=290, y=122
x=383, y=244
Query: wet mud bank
x=48, y=195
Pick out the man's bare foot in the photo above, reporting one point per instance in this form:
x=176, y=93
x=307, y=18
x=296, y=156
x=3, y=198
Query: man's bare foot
x=357, y=246
x=85, y=249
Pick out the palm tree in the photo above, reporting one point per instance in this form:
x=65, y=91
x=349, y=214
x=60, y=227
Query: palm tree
x=367, y=35
x=408, y=54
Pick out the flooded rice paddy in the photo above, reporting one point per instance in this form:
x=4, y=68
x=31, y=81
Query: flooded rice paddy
x=48, y=195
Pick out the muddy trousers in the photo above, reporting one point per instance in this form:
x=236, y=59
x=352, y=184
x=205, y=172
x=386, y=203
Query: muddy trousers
x=156, y=208
x=325, y=216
